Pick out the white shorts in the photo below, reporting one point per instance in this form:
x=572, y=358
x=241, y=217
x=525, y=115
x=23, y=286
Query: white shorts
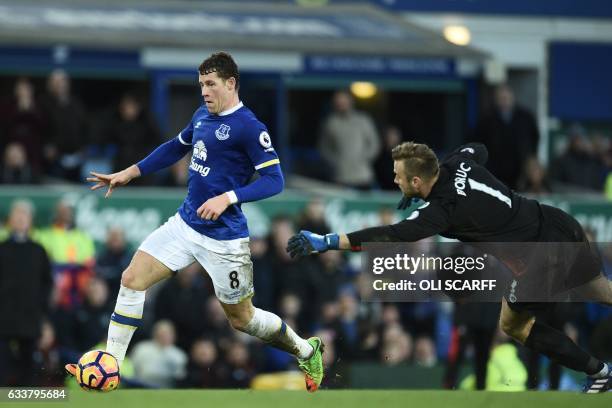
x=228, y=263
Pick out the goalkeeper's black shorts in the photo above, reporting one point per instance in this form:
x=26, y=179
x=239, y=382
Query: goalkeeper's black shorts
x=562, y=259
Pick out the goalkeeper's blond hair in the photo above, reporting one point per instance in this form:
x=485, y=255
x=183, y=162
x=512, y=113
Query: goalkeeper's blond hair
x=419, y=160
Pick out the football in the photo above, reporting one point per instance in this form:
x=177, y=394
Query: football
x=98, y=370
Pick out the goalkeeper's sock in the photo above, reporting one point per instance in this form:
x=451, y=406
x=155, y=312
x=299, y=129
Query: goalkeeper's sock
x=272, y=330
x=124, y=321
x=561, y=349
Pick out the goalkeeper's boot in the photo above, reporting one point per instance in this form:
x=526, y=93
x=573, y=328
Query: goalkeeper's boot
x=597, y=385
x=71, y=369
x=313, y=366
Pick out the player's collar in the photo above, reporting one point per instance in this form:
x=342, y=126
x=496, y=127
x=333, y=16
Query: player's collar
x=231, y=110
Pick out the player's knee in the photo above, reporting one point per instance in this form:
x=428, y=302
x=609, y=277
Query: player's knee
x=130, y=280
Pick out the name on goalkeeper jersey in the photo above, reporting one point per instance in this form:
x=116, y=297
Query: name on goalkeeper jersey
x=412, y=264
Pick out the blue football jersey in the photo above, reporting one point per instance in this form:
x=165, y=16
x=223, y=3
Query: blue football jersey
x=227, y=149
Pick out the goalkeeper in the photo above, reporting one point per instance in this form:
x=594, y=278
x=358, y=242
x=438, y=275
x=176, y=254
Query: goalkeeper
x=464, y=201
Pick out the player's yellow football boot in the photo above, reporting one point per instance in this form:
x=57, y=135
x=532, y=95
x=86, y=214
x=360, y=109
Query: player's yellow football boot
x=313, y=366
x=70, y=369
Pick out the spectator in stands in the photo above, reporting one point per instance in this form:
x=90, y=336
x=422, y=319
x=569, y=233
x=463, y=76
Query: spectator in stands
x=15, y=168
x=158, y=361
x=425, y=352
x=204, y=366
x=113, y=259
x=396, y=346
x=263, y=273
x=579, y=168
x=349, y=143
x=534, y=179
x=79, y=330
x=131, y=127
x=24, y=124
x=312, y=217
x=48, y=368
x=511, y=135
x=182, y=301
x=72, y=255
x=68, y=131
x=25, y=286
x=384, y=163
x=475, y=324
x=240, y=367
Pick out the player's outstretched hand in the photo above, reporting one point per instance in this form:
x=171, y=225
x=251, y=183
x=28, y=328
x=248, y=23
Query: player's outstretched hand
x=113, y=180
x=214, y=207
x=306, y=243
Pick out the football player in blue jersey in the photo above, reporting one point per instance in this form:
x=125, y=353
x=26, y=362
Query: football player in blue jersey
x=228, y=144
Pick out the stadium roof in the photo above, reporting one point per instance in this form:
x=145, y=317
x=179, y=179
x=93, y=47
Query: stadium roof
x=337, y=29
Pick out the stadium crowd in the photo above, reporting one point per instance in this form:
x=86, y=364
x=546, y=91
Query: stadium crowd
x=61, y=305
x=50, y=136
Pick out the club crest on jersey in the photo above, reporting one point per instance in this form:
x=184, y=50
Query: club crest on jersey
x=199, y=150
x=222, y=132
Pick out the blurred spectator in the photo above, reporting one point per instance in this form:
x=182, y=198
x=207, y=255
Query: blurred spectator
x=15, y=168
x=240, y=367
x=396, y=346
x=177, y=174
x=204, y=367
x=25, y=286
x=68, y=128
x=158, y=361
x=182, y=301
x=24, y=123
x=474, y=324
x=384, y=163
x=312, y=217
x=49, y=370
x=114, y=259
x=72, y=256
x=263, y=274
x=511, y=135
x=80, y=329
x=579, y=168
x=505, y=371
x=425, y=352
x=534, y=179
x=349, y=143
x=131, y=127
x=217, y=326
x=292, y=274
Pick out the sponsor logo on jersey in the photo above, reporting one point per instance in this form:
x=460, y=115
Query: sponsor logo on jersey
x=460, y=178
x=222, y=132
x=198, y=124
x=199, y=153
x=199, y=150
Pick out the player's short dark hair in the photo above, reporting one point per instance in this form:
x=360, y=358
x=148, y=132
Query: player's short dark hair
x=419, y=160
x=223, y=64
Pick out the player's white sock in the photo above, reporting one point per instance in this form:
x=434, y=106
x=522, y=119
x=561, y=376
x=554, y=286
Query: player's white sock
x=124, y=321
x=271, y=329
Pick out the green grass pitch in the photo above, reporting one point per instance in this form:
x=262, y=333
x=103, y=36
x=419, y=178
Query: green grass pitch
x=324, y=398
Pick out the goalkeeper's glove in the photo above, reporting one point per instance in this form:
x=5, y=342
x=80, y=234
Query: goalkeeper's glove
x=306, y=243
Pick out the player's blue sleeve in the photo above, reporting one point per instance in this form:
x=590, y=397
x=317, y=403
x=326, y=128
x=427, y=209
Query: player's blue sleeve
x=270, y=183
x=165, y=155
x=258, y=147
x=168, y=153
